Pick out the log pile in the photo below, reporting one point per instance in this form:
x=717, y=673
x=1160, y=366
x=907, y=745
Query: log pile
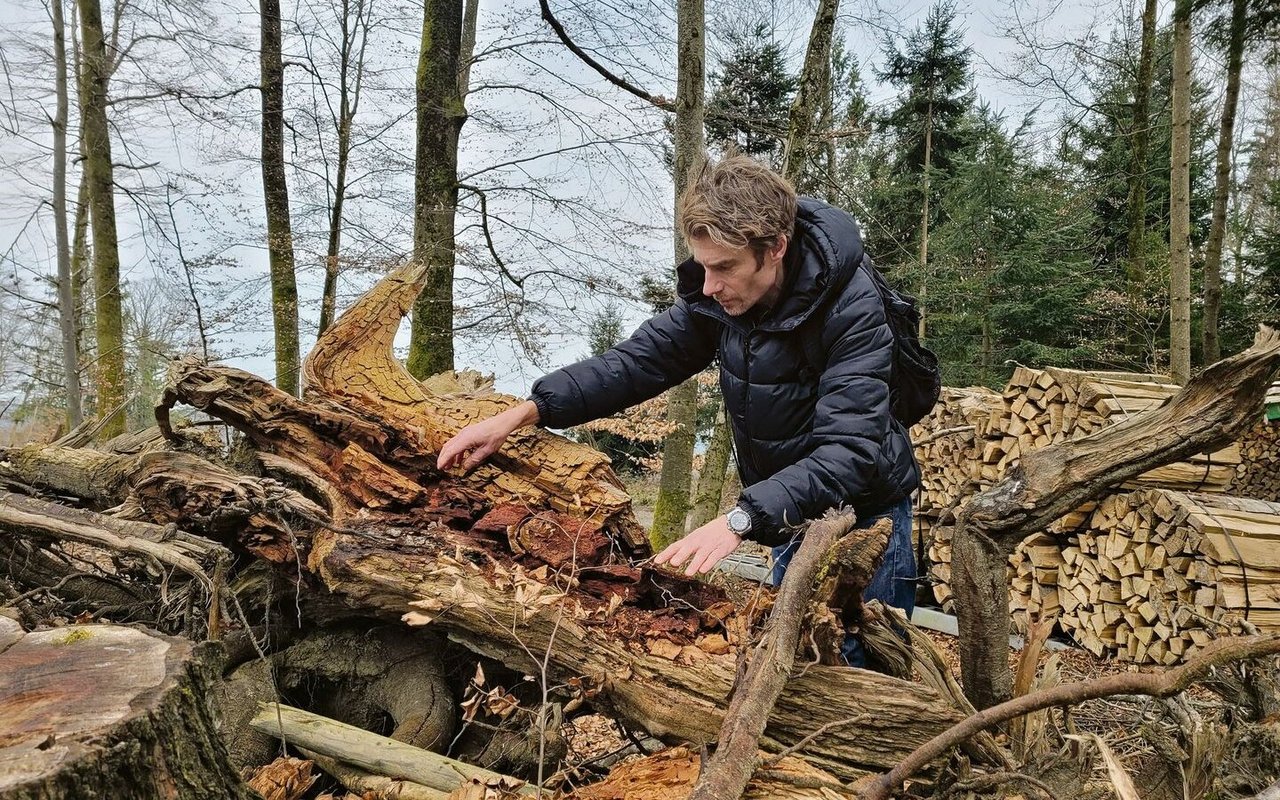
x=974, y=435
x=947, y=445
x=1052, y=405
x=1258, y=475
x=1155, y=574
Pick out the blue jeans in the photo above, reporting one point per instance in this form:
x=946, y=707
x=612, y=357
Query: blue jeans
x=894, y=584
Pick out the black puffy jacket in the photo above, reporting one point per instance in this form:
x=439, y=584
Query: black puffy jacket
x=809, y=436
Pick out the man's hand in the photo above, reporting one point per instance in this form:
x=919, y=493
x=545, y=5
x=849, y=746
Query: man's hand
x=703, y=548
x=476, y=442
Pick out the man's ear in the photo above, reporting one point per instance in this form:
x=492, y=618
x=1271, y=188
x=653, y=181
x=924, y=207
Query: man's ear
x=779, y=248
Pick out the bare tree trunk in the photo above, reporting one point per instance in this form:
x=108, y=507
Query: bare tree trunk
x=1180, y=199
x=441, y=114
x=468, y=50
x=275, y=192
x=66, y=294
x=1137, y=201
x=1212, y=344
x=924, y=215
x=350, y=57
x=814, y=96
x=715, y=463
x=672, y=504
x=109, y=375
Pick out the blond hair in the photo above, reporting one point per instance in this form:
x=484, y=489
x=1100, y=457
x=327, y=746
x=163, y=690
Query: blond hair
x=738, y=202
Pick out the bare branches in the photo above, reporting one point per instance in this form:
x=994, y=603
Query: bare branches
x=656, y=100
x=1158, y=684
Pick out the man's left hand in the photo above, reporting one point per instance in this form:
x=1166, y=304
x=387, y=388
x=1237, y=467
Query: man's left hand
x=703, y=548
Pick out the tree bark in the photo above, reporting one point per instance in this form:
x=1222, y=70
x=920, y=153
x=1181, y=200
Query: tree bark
x=109, y=375
x=1212, y=343
x=1180, y=199
x=275, y=193
x=1210, y=412
x=108, y=711
x=672, y=504
x=812, y=98
x=715, y=463
x=1137, y=202
x=66, y=294
x=441, y=114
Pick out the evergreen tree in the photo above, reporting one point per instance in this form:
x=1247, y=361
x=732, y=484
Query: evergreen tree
x=931, y=71
x=751, y=97
x=1011, y=261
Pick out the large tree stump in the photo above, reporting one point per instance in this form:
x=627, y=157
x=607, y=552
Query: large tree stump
x=107, y=711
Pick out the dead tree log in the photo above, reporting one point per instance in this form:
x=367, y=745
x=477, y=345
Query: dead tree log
x=664, y=659
x=168, y=487
x=107, y=711
x=1207, y=414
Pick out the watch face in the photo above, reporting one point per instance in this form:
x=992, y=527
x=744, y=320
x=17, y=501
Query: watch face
x=739, y=521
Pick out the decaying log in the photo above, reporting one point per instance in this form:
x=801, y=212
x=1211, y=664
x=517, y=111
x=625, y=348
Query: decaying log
x=167, y=545
x=107, y=711
x=171, y=487
x=1154, y=684
x=663, y=660
x=370, y=752
x=670, y=775
x=1207, y=414
x=360, y=782
x=769, y=662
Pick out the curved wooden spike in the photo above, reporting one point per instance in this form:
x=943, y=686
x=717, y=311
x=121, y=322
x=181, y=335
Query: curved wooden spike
x=353, y=365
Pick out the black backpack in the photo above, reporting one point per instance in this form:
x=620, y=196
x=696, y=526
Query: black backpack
x=916, y=381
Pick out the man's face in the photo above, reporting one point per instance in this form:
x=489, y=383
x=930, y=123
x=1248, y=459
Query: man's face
x=734, y=278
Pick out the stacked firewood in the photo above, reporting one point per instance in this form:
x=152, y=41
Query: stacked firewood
x=974, y=435
x=1052, y=405
x=1152, y=575
x=1259, y=472
x=947, y=444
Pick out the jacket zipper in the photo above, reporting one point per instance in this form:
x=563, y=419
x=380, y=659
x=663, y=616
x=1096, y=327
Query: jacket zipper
x=746, y=403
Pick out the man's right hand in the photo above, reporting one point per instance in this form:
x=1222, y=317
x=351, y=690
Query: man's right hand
x=476, y=442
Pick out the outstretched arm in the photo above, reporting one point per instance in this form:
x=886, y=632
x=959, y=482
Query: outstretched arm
x=476, y=442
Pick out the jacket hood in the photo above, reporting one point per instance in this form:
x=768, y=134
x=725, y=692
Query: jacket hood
x=824, y=251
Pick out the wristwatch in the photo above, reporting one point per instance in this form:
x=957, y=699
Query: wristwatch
x=739, y=521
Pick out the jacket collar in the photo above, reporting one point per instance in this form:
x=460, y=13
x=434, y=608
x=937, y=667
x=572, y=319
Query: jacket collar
x=824, y=251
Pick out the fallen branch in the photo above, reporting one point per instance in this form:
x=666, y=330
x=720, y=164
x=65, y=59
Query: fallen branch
x=370, y=752
x=31, y=517
x=1153, y=684
x=727, y=772
x=360, y=782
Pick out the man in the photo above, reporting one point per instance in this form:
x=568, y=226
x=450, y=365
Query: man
x=779, y=290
